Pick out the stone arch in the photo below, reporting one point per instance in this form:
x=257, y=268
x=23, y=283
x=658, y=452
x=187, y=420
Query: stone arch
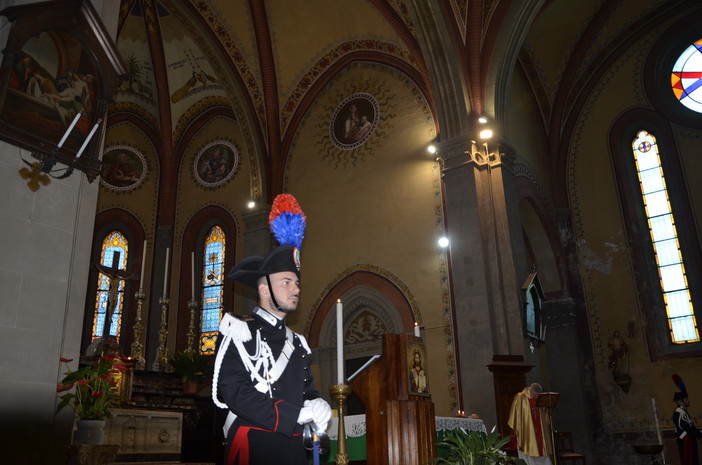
x=359, y=281
x=375, y=303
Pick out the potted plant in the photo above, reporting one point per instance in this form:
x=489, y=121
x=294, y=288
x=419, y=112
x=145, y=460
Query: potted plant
x=92, y=397
x=192, y=367
x=475, y=448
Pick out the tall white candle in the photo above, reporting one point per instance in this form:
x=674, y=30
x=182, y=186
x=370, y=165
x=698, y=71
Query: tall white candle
x=192, y=274
x=68, y=131
x=655, y=417
x=143, y=264
x=416, y=329
x=87, y=139
x=339, y=342
x=165, y=274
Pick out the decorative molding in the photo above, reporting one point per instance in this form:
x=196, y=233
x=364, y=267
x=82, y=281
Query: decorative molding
x=248, y=77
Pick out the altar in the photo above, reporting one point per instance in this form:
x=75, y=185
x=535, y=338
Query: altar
x=356, y=434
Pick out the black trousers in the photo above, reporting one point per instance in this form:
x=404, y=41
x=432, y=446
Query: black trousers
x=256, y=446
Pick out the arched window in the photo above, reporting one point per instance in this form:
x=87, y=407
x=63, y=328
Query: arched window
x=663, y=235
x=661, y=232
x=110, y=288
x=212, y=288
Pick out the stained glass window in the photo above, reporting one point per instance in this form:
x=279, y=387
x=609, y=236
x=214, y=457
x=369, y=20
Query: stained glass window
x=686, y=77
x=110, y=291
x=664, y=237
x=212, y=288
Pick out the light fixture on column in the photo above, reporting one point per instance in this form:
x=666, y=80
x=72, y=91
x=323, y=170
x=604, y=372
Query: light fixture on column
x=433, y=146
x=485, y=135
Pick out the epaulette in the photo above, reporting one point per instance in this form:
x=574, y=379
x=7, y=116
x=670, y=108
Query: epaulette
x=235, y=328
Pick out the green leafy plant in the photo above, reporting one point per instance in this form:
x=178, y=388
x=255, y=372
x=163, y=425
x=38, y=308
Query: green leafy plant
x=191, y=365
x=475, y=448
x=94, y=392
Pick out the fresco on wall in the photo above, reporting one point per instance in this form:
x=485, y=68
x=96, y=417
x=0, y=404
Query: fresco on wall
x=354, y=120
x=216, y=163
x=191, y=77
x=135, y=81
x=123, y=168
x=137, y=86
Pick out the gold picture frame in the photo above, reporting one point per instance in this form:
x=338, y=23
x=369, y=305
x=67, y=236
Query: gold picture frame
x=417, y=369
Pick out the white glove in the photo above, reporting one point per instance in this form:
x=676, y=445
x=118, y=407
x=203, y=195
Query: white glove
x=321, y=412
x=306, y=414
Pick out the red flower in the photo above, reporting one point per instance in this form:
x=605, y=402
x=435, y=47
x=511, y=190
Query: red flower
x=96, y=394
x=83, y=382
x=65, y=360
x=118, y=368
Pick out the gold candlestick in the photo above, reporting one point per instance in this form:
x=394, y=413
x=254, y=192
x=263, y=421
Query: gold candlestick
x=192, y=305
x=340, y=392
x=161, y=362
x=137, y=346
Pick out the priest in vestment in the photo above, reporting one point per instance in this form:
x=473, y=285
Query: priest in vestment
x=531, y=427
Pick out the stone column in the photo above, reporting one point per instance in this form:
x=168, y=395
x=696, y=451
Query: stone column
x=258, y=240
x=484, y=287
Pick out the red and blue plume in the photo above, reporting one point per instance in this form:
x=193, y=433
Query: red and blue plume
x=679, y=382
x=287, y=222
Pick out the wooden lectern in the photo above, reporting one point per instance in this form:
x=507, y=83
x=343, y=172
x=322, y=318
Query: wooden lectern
x=549, y=401
x=400, y=426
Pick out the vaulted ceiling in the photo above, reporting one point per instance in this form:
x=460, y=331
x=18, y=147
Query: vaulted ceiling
x=264, y=62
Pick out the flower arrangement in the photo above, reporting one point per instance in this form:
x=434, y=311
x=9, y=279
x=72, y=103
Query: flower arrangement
x=94, y=382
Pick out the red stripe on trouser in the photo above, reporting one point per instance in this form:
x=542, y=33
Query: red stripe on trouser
x=687, y=452
x=240, y=446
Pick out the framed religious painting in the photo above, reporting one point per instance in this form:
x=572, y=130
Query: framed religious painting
x=216, y=163
x=56, y=79
x=354, y=121
x=417, y=368
x=123, y=168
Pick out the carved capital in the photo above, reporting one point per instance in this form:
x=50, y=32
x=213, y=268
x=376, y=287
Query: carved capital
x=457, y=152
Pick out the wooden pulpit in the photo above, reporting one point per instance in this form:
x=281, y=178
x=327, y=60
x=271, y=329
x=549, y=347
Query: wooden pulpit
x=400, y=423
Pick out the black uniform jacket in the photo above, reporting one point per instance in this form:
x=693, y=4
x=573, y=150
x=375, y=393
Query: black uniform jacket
x=266, y=422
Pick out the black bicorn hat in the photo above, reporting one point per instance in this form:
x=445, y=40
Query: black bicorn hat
x=287, y=223
x=251, y=269
x=680, y=395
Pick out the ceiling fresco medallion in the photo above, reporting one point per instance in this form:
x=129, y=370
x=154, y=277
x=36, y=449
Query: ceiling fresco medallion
x=216, y=163
x=123, y=168
x=354, y=120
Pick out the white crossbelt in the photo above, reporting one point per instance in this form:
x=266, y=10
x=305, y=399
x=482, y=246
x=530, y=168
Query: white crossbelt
x=273, y=373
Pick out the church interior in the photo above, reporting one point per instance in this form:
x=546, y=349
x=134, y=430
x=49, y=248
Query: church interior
x=439, y=151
